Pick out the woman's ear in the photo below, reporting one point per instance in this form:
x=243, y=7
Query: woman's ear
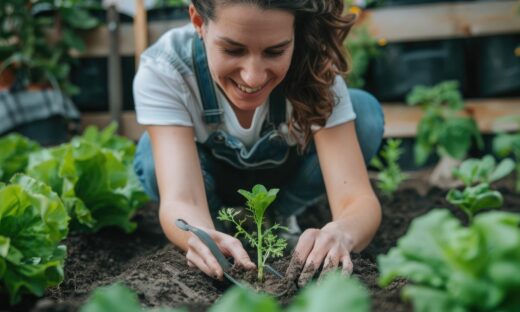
x=196, y=19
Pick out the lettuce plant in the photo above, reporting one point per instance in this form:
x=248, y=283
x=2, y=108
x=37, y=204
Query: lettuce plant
x=441, y=128
x=267, y=244
x=15, y=154
x=480, y=196
x=455, y=268
x=390, y=175
x=508, y=144
x=33, y=222
x=96, y=186
x=315, y=297
x=117, y=298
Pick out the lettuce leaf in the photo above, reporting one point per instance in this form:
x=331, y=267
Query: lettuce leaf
x=463, y=268
x=15, y=153
x=96, y=186
x=33, y=221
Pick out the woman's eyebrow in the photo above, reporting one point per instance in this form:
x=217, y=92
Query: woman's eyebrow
x=238, y=44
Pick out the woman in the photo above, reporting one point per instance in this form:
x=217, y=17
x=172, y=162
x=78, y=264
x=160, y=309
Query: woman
x=250, y=92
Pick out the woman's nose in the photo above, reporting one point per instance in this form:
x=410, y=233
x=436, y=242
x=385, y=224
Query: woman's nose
x=254, y=73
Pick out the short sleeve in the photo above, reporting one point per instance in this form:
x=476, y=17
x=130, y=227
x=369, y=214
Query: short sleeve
x=160, y=95
x=343, y=110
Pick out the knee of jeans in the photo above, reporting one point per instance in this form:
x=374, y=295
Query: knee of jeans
x=144, y=167
x=370, y=122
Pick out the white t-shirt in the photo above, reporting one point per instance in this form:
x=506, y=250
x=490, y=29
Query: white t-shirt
x=166, y=93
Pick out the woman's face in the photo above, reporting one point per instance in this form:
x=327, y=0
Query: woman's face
x=249, y=51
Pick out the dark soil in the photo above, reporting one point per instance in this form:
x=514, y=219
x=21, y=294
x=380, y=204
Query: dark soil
x=158, y=272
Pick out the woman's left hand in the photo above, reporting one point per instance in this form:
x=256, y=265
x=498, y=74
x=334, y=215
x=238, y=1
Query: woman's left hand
x=330, y=246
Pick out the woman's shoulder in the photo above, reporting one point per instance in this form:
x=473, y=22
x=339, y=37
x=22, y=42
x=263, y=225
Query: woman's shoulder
x=173, y=50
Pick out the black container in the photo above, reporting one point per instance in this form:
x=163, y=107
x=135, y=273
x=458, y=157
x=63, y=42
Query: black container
x=91, y=76
x=495, y=69
x=50, y=131
x=168, y=14
x=402, y=66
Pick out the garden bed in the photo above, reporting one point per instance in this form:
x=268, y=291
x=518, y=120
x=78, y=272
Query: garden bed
x=148, y=264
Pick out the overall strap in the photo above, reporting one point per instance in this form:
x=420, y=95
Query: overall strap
x=212, y=111
x=277, y=106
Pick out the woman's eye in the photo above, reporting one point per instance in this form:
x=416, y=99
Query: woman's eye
x=234, y=52
x=274, y=53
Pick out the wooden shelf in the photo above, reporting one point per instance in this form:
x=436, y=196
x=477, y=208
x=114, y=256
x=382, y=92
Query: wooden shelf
x=402, y=120
x=403, y=23
x=443, y=20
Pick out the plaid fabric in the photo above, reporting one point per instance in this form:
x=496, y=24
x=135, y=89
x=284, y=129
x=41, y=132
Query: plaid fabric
x=22, y=107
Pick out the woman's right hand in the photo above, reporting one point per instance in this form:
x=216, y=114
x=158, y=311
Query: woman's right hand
x=199, y=255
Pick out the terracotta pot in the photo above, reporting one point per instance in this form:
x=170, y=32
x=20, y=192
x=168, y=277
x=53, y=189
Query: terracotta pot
x=7, y=78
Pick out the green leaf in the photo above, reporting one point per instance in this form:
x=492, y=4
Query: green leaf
x=426, y=299
x=15, y=155
x=116, y=298
x=321, y=297
x=33, y=221
x=239, y=299
x=504, y=168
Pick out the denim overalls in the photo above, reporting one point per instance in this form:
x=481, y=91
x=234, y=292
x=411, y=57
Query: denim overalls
x=227, y=164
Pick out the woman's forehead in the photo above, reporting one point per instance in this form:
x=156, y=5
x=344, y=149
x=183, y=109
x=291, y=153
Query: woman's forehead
x=240, y=22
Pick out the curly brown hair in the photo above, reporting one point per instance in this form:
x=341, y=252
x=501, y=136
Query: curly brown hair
x=319, y=56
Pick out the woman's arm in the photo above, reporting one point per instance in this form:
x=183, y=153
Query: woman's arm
x=356, y=212
x=182, y=195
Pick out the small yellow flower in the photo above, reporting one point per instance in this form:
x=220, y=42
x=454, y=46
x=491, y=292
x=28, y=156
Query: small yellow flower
x=355, y=10
x=382, y=42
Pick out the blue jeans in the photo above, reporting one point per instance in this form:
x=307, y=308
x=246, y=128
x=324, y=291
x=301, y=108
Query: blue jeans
x=299, y=179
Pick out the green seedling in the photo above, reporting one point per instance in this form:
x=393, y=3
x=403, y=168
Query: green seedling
x=442, y=129
x=477, y=174
x=390, y=176
x=508, y=144
x=267, y=243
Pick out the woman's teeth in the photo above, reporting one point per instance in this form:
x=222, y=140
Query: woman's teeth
x=249, y=90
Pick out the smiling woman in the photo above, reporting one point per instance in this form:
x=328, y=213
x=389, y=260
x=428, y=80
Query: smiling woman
x=250, y=92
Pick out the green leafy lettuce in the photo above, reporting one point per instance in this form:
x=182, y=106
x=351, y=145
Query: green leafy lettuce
x=442, y=129
x=96, y=186
x=481, y=172
x=117, y=298
x=33, y=221
x=457, y=268
x=15, y=154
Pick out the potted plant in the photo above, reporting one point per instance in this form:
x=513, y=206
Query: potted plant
x=37, y=40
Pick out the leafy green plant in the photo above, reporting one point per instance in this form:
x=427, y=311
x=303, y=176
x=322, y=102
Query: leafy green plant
x=362, y=47
x=95, y=182
x=441, y=128
x=37, y=38
x=457, y=268
x=33, y=221
x=390, y=175
x=315, y=297
x=117, y=298
x=481, y=172
x=508, y=144
x=15, y=154
x=267, y=243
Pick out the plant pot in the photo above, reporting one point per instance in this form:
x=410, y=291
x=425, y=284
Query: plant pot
x=496, y=67
x=402, y=66
x=7, y=78
x=90, y=75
